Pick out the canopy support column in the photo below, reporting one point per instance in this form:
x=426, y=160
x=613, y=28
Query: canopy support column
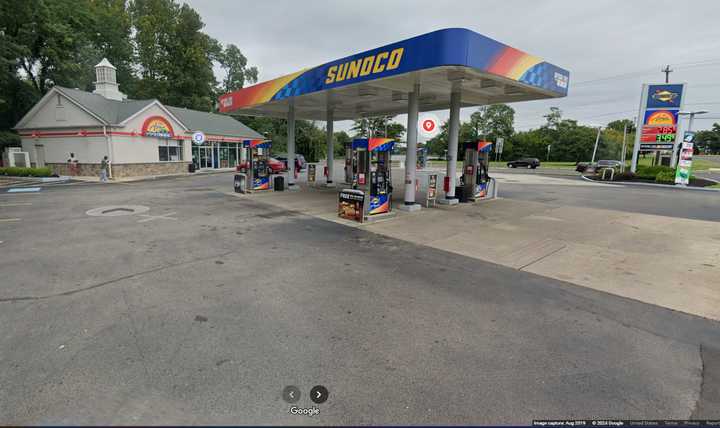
x=291, y=143
x=330, y=145
x=453, y=132
x=411, y=152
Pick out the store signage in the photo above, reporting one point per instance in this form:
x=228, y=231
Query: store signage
x=351, y=204
x=682, y=173
x=659, y=112
x=157, y=126
x=371, y=64
x=666, y=117
x=664, y=96
x=198, y=137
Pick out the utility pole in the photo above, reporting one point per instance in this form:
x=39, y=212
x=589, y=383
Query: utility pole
x=667, y=70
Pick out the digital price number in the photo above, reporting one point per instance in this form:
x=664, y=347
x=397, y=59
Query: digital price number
x=659, y=134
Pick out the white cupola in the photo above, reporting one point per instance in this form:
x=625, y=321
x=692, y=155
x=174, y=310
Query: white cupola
x=106, y=81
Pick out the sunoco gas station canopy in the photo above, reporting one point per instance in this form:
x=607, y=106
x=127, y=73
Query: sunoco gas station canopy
x=377, y=81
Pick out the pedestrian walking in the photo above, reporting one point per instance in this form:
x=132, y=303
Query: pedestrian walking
x=104, y=166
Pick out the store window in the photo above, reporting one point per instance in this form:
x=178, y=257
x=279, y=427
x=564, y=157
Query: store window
x=169, y=153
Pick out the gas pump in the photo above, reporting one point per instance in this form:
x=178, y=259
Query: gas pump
x=348, y=163
x=422, y=157
x=475, y=171
x=256, y=169
x=371, y=192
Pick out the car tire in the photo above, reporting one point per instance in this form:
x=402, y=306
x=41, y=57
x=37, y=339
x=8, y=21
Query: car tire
x=534, y=166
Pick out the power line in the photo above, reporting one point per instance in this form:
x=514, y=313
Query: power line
x=647, y=71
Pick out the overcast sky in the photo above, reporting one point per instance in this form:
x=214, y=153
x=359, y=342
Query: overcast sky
x=623, y=43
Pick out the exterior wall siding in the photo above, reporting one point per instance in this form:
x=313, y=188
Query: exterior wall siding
x=65, y=115
x=122, y=170
x=57, y=150
x=147, y=169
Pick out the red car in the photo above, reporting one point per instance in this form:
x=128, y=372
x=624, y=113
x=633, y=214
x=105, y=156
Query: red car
x=275, y=166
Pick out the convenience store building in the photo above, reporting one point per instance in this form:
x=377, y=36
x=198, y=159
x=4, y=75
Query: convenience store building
x=140, y=137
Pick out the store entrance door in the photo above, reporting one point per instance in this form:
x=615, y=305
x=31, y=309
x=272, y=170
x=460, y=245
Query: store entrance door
x=204, y=157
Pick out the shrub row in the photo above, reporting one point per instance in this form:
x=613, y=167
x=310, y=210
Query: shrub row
x=14, y=171
x=665, y=177
x=651, y=172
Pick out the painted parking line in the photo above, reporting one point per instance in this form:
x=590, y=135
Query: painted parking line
x=24, y=189
x=9, y=219
x=17, y=204
x=157, y=217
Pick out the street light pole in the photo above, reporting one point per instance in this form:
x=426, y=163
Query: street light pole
x=597, y=140
x=624, y=149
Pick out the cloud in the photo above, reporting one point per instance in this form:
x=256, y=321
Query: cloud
x=593, y=40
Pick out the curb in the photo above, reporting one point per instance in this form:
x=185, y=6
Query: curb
x=662, y=186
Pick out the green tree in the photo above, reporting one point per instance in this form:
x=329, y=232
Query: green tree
x=341, y=139
x=175, y=57
x=438, y=145
x=44, y=43
x=237, y=72
x=380, y=126
x=310, y=140
x=493, y=121
x=108, y=36
x=708, y=141
x=619, y=125
x=47, y=38
x=553, y=118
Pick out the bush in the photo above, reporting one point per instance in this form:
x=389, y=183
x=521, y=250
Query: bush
x=650, y=172
x=14, y=171
x=665, y=177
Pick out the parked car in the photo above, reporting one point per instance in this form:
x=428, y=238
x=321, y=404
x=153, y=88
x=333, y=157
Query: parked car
x=300, y=162
x=524, y=162
x=275, y=166
x=608, y=164
x=582, y=166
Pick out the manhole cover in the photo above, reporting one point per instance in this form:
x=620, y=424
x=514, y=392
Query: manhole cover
x=117, y=210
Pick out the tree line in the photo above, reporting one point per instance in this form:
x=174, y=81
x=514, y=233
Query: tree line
x=157, y=46
x=567, y=140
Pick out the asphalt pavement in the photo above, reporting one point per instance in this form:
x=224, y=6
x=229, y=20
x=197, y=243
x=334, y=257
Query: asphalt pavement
x=671, y=202
x=203, y=308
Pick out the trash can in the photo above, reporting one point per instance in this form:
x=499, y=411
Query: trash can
x=279, y=183
x=191, y=167
x=460, y=194
x=239, y=183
